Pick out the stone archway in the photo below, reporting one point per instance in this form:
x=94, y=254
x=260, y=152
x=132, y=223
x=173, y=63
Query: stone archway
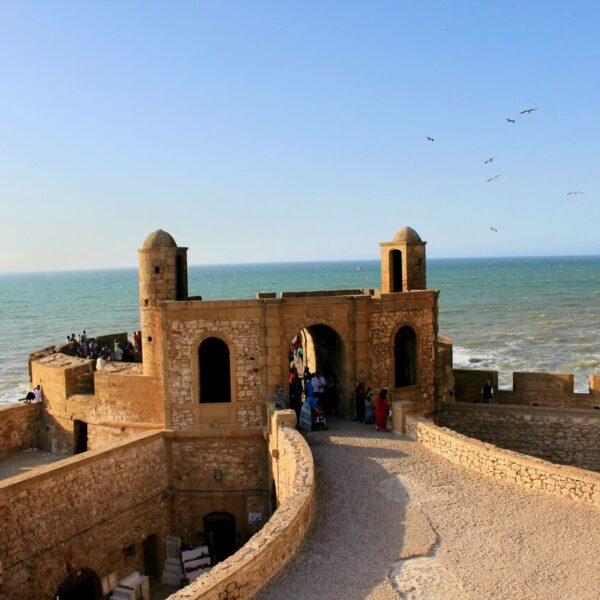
x=82, y=583
x=323, y=350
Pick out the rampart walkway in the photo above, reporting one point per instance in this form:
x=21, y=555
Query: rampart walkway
x=395, y=521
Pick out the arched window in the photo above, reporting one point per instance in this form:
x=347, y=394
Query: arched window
x=396, y=268
x=405, y=357
x=215, y=377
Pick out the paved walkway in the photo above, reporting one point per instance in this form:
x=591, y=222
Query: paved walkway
x=24, y=461
x=395, y=521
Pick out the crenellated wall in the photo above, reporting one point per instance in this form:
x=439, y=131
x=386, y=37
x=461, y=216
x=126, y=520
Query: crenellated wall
x=561, y=435
x=569, y=483
x=535, y=389
x=19, y=427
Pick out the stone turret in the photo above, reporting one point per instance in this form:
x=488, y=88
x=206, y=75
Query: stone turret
x=403, y=262
x=163, y=276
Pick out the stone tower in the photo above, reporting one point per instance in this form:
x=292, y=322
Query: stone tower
x=403, y=262
x=163, y=276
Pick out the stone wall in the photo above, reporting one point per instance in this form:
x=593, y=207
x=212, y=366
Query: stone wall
x=533, y=389
x=19, y=427
x=82, y=513
x=217, y=471
x=565, y=436
x=250, y=568
x=189, y=323
x=418, y=310
x=123, y=395
x=570, y=483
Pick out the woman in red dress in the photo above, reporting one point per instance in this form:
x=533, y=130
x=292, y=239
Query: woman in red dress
x=382, y=407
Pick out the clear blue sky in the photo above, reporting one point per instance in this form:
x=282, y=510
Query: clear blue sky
x=272, y=131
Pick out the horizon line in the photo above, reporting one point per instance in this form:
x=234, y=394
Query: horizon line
x=290, y=262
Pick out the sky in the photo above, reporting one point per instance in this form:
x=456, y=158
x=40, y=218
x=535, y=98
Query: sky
x=279, y=131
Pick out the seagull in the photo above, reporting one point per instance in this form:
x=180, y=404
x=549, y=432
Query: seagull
x=574, y=193
x=488, y=161
x=511, y=120
x=493, y=178
x=527, y=111
x=444, y=29
x=430, y=139
x=493, y=229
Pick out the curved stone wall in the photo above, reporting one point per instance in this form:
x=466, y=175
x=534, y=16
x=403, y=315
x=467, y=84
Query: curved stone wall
x=570, y=483
x=263, y=556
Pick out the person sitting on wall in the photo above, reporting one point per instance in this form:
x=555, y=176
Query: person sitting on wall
x=100, y=363
x=487, y=391
x=37, y=394
x=118, y=353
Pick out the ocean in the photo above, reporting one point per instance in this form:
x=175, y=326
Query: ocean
x=508, y=314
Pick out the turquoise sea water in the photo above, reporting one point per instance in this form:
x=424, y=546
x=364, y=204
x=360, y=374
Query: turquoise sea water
x=509, y=314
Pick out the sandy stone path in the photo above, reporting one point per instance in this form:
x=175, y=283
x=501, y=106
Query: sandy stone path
x=395, y=521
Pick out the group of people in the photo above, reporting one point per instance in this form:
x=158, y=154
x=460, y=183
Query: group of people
x=313, y=397
x=86, y=347
x=371, y=410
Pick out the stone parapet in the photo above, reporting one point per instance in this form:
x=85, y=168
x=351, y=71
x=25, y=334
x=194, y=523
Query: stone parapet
x=19, y=427
x=569, y=436
x=569, y=483
x=265, y=554
x=529, y=388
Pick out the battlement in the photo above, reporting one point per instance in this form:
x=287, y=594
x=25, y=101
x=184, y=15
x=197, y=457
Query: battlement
x=529, y=388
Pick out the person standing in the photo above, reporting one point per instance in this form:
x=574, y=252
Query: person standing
x=382, y=407
x=359, y=401
x=487, y=392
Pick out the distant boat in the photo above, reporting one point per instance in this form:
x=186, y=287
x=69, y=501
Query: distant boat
x=359, y=268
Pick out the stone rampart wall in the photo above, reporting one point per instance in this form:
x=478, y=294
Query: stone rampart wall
x=566, y=436
x=570, y=483
x=81, y=513
x=532, y=389
x=244, y=573
x=19, y=427
x=418, y=311
x=218, y=471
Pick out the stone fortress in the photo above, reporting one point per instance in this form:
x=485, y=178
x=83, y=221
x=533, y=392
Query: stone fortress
x=188, y=443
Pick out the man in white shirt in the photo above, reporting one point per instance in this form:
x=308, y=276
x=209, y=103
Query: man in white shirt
x=100, y=362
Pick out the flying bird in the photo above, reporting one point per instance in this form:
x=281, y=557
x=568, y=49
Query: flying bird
x=488, y=161
x=493, y=178
x=527, y=111
x=430, y=139
x=493, y=229
x=574, y=193
x=444, y=29
x=511, y=120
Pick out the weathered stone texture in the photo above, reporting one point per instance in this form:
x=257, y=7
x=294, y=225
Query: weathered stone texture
x=569, y=483
x=243, y=574
x=19, y=427
x=384, y=324
x=184, y=337
x=81, y=513
x=566, y=436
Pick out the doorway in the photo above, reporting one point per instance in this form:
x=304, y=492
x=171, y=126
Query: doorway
x=81, y=436
x=219, y=529
x=151, y=564
x=319, y=348
x=80, y=584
